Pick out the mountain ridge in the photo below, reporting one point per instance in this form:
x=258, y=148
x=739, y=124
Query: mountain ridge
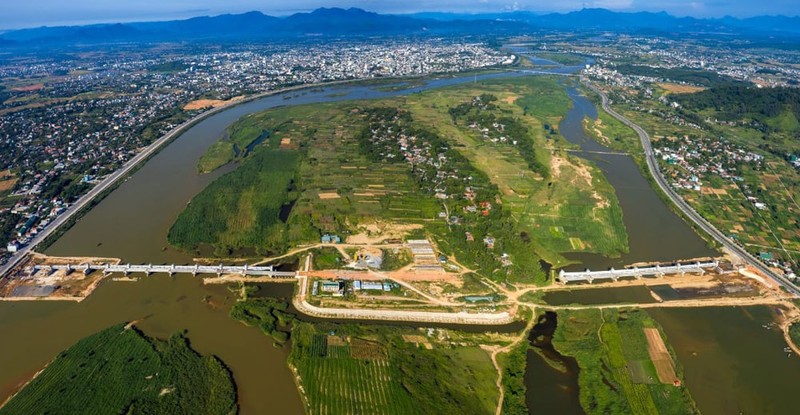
x=355, y=21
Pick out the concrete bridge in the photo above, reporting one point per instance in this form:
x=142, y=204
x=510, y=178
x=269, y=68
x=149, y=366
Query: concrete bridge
x=636, y=272
x=244, y=270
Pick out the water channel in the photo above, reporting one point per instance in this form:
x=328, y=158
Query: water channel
x=655, y=233
x=132, y=224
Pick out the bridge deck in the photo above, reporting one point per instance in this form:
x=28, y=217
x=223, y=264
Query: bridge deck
x=635, y=272
x=172, y=269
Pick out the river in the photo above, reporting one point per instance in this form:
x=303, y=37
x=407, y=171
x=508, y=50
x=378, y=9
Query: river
x=655, y=232
x=132, y=223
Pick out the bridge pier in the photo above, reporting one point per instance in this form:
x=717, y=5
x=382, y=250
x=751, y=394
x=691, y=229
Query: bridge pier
x=149, y=270
x=195, y=270
x=171, y=271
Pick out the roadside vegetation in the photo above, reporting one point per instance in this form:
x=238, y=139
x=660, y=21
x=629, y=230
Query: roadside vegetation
x=120, y=370
x=621, y=371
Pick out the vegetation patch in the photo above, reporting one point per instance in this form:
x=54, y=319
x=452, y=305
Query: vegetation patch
x=121, y=371
x=617, y=373
x=242, y=209
x=347, y=369
x=267, y=314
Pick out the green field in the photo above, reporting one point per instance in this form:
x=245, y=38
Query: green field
x=372, y=370
x=242, y=208
x=342, y=170
x=616, y=373
x=120, y=370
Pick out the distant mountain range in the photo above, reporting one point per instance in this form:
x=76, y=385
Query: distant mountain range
x=354, y=22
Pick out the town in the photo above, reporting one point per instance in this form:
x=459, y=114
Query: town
x=67, y=123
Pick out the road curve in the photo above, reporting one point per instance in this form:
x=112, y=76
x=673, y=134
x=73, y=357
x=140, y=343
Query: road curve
x=652, y=166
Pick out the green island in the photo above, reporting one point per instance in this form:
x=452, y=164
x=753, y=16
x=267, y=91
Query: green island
x=480, y=179
x=626, y=366
x=120, y=370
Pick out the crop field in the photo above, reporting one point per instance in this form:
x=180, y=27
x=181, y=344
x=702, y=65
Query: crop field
x=617, y=373
x=119, y=370
x=345, y=374
x=348, y=378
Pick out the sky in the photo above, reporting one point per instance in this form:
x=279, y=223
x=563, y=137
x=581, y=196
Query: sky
x=15, y=14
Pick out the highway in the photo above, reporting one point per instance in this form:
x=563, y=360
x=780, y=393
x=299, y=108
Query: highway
x=652, y=165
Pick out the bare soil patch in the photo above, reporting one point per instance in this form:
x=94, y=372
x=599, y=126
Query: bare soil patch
x=660, y=356
x=28, y=88
x=680, y=89
x=208, y=103
x=7, y=184
x=329, y=195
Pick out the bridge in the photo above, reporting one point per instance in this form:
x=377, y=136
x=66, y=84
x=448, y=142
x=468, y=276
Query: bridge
x=172, y=269
x=657, y=270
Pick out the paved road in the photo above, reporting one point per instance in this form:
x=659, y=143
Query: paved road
x=88, y=197
x=707, y=227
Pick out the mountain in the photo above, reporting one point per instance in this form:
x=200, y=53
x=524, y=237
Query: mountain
x=356, y=22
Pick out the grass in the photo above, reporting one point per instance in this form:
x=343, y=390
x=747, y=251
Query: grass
x=218, y=155
x=371, y=369
x=562, y=58
x=794, y=333
x=394, y=259
x=240, y=139
x=120, y=370
x=584, y=209
x=328, y=258
x=616, y=373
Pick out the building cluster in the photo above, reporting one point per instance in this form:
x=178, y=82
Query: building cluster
x=76, y=119
x=342, y=286
x=691, y=160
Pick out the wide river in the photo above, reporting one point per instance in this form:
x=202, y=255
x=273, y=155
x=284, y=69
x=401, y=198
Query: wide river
x=132, y=223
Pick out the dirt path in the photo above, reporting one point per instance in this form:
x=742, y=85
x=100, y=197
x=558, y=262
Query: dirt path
x=496, y=350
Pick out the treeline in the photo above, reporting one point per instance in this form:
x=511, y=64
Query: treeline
x=692, y=76
x=735, y=102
